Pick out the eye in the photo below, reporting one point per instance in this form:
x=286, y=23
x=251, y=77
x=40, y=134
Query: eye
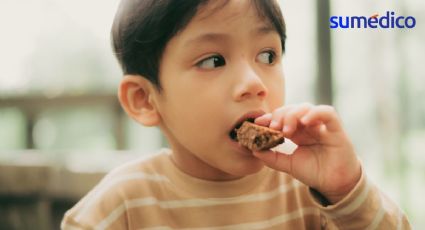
x=267, y=57
x=212, y=62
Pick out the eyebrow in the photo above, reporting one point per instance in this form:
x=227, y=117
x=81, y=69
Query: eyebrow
x=264, y=30
x=212, y=37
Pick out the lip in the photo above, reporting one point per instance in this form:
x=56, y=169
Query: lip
x=251, y=114
x=239, y=148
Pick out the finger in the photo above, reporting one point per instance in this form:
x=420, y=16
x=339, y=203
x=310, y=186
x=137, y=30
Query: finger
x=322, y=114
x=264, y=120
x=275, y=160
x=291, y=119
x=309, y=135
x=277, y=117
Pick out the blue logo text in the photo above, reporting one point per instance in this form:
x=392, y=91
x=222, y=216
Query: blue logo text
x=389, y=20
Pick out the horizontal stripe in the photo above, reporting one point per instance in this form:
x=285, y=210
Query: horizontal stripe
x=378, y=217
x=275, y=221
x=213, y=201
x=267, y=223
x=193, y=202
x=156, y=228
x=99, y=192
x=359, y=200
x=70, y=227
x=111, y=218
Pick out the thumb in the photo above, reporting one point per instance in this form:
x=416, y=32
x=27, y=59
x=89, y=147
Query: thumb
x=276, y=160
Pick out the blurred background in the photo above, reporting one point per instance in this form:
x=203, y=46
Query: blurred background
x=62, y=129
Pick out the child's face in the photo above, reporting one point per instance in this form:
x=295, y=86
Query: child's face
x=224, y=64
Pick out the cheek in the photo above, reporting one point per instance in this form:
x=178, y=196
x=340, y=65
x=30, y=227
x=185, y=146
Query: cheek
x=188, y=113
x=194, y=126
x=276, y=88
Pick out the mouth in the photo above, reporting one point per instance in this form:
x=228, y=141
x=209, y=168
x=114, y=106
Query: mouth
x=233, y=135
x=250, y=117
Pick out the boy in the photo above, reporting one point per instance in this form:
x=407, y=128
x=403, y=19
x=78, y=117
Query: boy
x=197, y=69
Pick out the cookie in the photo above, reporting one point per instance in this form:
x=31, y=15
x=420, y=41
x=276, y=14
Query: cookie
x=257, y=138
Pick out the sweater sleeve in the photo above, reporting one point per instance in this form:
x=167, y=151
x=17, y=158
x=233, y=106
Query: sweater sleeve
x=365, y=207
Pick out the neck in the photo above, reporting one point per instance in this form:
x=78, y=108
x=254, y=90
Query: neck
x=195, y=167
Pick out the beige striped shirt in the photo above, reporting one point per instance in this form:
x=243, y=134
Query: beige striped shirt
x=153, y=194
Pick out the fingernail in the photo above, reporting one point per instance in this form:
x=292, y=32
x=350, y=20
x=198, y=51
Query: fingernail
x=286, y=128
x=267, y=115
x=274, y=124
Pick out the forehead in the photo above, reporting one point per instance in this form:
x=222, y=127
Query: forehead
x=226, y=17
x=226, y=11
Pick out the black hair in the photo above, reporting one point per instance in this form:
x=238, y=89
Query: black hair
x=142, y=28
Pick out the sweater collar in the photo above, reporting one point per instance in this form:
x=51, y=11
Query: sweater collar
x=211, y=189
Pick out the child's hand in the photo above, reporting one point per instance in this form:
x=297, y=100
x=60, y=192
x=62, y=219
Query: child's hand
x=325, y=158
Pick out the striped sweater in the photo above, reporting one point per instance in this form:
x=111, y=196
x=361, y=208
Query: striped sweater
x=154, y=194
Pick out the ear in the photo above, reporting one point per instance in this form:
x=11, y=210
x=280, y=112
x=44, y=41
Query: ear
x=136, y=95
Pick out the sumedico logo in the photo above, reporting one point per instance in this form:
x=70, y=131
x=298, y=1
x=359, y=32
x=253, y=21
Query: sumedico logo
x=389, y=20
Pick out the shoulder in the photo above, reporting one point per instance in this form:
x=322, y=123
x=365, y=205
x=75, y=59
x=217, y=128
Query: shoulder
x=141, y=171
x=138, y=179
x=149, y=164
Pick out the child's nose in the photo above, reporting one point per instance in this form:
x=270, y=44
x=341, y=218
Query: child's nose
x=249, y=85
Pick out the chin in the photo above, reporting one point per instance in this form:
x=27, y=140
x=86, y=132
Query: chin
x=245, y=169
